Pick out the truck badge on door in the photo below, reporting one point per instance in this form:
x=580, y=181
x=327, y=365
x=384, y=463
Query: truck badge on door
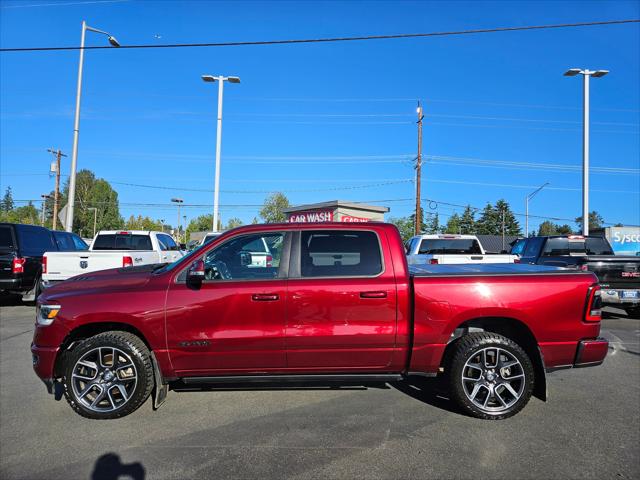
x=84, y=264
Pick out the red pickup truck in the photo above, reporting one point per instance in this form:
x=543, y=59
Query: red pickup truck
x=332, y=303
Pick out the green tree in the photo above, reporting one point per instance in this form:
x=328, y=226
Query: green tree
x=432, y=224
x=92, y=192
x=233, y=223
x=142, y=223
x=27, y=214
x=203, y=223
x=272, y=210
x=468, y=221
x=453, y=224
x=564, y=229
x=405, y=226
x=511, y=224
x=547, y=228
x=595, y=221
x=6, y=205
x=488, y=223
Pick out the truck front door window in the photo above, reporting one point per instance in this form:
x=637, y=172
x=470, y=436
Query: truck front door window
x=249, y=257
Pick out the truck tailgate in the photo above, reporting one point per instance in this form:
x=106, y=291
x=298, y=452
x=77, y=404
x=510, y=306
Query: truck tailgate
x=615, y=272
x=64, y=265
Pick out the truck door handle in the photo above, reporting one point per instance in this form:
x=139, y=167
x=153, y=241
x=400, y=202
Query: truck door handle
x=373, y=294
x=265, y=297
x=476, y=258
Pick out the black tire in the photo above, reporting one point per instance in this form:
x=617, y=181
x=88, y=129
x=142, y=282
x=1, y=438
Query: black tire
x=133, y=351
x=633, y=312
x=471, y=347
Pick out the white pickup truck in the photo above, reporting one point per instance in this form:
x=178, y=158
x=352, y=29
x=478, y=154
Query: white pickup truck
x=450, y=249
x=110, y=249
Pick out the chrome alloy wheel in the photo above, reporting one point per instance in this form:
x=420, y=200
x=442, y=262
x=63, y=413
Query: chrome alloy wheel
x=104, y=379
x=493, y=379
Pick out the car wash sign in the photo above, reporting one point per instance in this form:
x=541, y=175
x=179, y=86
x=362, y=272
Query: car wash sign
x=312, y=216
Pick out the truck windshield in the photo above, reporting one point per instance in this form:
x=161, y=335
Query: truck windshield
x=582, y=246
x=459, y=246
x=110, y=241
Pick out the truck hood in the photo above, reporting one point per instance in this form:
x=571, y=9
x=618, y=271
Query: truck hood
x=116, y=278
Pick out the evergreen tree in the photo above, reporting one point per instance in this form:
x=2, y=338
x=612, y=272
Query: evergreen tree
x=433, y=224
x=7, y=201
x=488, y=223
x=511, y=225
x=468, y=221
x=453, y=224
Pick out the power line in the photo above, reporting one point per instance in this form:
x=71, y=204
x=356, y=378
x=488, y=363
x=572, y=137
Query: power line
x=332, y=39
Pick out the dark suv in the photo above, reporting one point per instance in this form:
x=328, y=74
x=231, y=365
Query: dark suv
x=21, y=250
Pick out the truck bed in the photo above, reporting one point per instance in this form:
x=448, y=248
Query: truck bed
x=485, y=269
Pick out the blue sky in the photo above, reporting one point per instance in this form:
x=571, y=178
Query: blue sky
x=326, y=121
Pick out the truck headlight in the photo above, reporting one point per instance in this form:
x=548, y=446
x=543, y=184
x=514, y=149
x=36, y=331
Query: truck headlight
x=46, y=314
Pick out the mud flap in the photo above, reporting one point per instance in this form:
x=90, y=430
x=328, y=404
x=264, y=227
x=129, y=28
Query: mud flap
x=540, y=390
x=160, y=388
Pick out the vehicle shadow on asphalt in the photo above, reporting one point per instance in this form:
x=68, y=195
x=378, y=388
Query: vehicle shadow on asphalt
x=9, y=300
x=110, y=467
x=431, y=391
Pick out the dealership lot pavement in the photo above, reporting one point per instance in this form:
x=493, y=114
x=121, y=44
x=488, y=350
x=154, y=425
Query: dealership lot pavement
x=590, y=427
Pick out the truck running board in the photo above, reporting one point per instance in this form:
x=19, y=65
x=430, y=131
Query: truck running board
x=341, y=378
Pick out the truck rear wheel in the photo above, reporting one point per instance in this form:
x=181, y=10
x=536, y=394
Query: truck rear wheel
x=490, y=376
x=109, y=375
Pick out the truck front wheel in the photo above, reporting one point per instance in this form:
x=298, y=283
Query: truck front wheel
x=490, y=376
x=108, y=375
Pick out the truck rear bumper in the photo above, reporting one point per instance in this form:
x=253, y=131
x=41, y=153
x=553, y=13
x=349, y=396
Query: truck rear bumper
x=616, y=296
x=591, y=352
x=11, y=284
x=584, y=353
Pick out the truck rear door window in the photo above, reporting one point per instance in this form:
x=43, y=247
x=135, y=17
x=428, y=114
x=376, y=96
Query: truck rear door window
x=458, y=246
x=339, y=253
x=122, y=242
x=6, y=239
x=35, y=240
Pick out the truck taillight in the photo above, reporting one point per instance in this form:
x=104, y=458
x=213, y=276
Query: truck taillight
x=269, y=261
x=44, y=264
x=584, y=268
x=127, y=262
x=17, y=266
x=594, y=305
x=433, y=261
x=516, y=260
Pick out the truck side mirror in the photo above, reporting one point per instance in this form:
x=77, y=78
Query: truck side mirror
x=195, y=275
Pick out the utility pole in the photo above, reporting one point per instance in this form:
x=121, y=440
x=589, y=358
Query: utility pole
x=503, y=246
x=418, y=226
x=56, y=194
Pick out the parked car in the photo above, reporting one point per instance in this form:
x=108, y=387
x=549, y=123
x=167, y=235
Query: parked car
x=450, y=249
x=619, y=275
x=21, y=251
x=111, y=249
x=111, y=338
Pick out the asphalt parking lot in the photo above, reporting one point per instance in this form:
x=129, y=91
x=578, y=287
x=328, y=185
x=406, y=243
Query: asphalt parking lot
x=589, y=428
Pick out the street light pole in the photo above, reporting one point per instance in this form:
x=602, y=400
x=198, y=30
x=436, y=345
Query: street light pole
x=526, y=207
x=178, y=201
x=586, y=73
x=220, y=79
x=44, y=200
x=76, y=124
x=95, y=219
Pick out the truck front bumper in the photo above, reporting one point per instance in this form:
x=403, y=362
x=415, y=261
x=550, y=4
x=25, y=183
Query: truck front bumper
x=620, y=296
x=44, y=359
